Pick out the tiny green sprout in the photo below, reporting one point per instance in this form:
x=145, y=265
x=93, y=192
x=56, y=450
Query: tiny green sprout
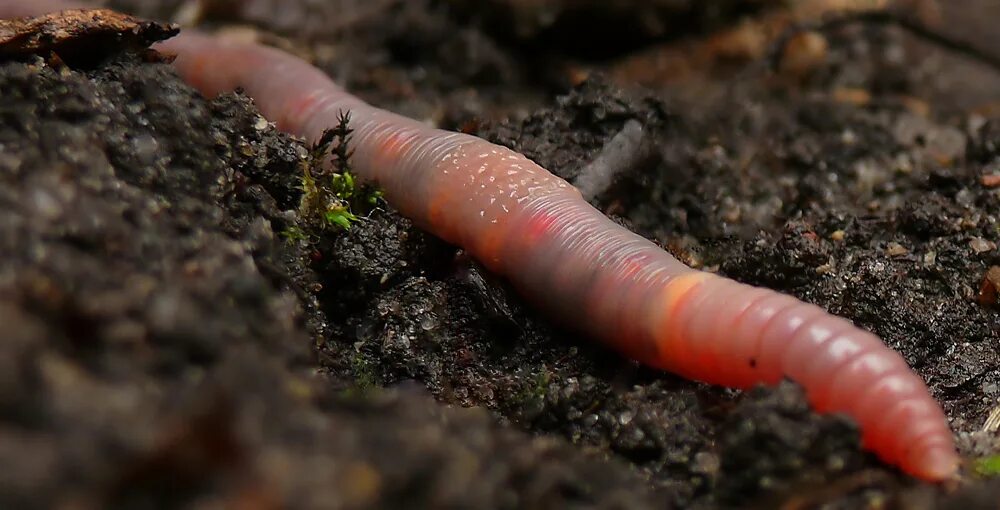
x=534, y=390
x=341, y=217
x=343, y=184
x=330, y=192
x=987, y=467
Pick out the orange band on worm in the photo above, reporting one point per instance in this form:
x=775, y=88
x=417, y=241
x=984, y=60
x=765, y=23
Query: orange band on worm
x=667, y=329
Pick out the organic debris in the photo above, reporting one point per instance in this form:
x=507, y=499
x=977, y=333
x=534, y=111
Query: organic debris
x=989, y=288
x=79, y=37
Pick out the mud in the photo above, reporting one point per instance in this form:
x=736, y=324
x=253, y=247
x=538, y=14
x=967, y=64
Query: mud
x=170, y=347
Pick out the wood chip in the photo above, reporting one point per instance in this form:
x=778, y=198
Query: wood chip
x=804, y=53
x=990, y=180
x=851, y=95
x=80, y=35
x=992, y=423
x=988, y=289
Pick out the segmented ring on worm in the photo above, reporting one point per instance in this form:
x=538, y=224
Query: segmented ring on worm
x=583, y=269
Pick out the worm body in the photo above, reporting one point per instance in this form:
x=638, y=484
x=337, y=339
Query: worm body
x=586, y=271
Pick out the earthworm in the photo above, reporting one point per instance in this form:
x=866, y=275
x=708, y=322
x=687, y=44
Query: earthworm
x=585, y=270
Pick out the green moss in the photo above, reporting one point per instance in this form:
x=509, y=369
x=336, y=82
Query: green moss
x=988, y=467
x=535, y=388
x=364, y=375
x=294, y=234
x=331, y=195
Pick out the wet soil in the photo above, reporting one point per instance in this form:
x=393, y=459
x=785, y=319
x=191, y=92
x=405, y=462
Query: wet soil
x=168, y=346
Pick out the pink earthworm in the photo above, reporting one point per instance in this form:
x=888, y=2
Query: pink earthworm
x=586, y=271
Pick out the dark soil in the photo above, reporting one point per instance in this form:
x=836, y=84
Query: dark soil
x=166, y=346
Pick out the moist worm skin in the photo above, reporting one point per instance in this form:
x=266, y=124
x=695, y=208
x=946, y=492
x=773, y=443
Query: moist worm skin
x=586, y=271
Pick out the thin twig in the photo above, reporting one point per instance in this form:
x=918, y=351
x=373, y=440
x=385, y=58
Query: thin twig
x=993, y=420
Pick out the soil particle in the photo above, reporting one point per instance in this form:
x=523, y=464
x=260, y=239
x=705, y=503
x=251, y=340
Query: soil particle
x=769, y=445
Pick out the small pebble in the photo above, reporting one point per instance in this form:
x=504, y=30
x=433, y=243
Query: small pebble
x=804, y=53
x=848, y=137
x=980, y=245
x=990, y=180
x=855, y=96
x=989, y=287
x=706, y=463
x=895, y=249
